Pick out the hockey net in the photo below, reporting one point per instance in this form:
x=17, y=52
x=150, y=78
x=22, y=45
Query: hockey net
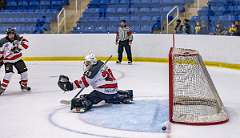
x=193, y=98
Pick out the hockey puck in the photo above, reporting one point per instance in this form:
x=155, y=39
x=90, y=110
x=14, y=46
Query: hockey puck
x=164, y=128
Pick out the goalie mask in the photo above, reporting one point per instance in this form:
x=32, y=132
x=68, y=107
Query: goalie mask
x=89, y=61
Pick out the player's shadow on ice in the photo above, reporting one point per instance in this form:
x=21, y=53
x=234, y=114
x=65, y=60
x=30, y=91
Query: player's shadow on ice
x=15, y=93
x=32, y=92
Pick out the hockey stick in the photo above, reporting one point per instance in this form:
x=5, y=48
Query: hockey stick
x=67, y=102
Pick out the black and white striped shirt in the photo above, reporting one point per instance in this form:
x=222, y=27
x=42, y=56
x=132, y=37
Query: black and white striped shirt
x=123, y=34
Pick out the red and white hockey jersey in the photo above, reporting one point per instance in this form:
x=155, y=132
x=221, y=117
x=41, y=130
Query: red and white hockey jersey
x=8, y=54
x=103, y=81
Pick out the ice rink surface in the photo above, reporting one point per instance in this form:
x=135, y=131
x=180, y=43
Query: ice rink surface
x=38, y=114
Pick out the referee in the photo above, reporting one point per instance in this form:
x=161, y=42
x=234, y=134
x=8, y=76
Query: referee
x=124, y=40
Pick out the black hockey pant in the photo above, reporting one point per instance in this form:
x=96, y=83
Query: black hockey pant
x=127, y=47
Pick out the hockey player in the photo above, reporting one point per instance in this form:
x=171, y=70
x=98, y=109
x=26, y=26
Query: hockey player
x=10, y=50
x=100, y=77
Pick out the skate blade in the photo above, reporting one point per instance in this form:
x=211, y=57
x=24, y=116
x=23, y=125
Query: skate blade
x=128, y=102
x=26, y=90
x=82, y=110
x=79, y=110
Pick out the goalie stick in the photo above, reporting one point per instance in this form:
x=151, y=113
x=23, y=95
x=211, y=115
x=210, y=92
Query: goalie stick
x=67, y=102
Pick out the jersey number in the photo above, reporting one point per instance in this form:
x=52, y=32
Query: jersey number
x=108, y=75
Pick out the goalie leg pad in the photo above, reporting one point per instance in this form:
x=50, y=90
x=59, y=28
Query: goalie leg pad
x=81, y=104
x=126, y=96
x=122, y=97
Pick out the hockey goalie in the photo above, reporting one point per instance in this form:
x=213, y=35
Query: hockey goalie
x=102, y=80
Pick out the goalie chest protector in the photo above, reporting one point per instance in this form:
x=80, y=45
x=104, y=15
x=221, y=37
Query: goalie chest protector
x=92, y=72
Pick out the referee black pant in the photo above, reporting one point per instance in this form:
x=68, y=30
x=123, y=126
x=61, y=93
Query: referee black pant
x=127, y=47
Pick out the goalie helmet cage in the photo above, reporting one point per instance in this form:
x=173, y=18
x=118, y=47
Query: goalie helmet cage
x=193, y=98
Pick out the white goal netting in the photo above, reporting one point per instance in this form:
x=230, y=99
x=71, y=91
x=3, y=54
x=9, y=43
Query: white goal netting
x=193, y=96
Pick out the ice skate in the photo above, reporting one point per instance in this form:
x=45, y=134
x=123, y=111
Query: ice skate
x=24, y=86
x=1, y=91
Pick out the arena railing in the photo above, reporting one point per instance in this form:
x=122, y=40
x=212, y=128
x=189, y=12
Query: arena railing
x=174, y=9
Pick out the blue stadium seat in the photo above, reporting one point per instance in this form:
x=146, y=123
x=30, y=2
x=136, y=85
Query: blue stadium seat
x=114, y=1
x=113, y=19
x=23, y=3
x=23, y=14
x=122, y=10
x=87, y=19
x=144, y=10
x=112, y=28
x=133, y=10
x=155, y=18
x=140, y=14
x=156, y=10
x=58, y=2
x=92, y=10
x=124, y=1
x=124, y=18
x=100, y=29
x=136, y=28
x=34, y=4
x=167, y=9
x=227, y=18
x=135, y=1
x=134, y=18
x=146, y=18
x=156, y=1
x=145, y=1
x=166, y=2
x=45, y=2
x=95, y=1
x=90, y=28
x=104, y=1
x=146, y=28
x=11, y=3
x=111, y=10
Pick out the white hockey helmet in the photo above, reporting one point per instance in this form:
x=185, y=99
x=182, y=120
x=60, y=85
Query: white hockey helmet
x=90, y=59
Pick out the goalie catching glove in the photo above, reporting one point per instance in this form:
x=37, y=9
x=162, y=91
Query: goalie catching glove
x=64, y=83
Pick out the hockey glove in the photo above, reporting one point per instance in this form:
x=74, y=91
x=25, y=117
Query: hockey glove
x=64, y=83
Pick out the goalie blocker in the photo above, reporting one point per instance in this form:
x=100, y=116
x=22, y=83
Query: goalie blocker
x=105, y=86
